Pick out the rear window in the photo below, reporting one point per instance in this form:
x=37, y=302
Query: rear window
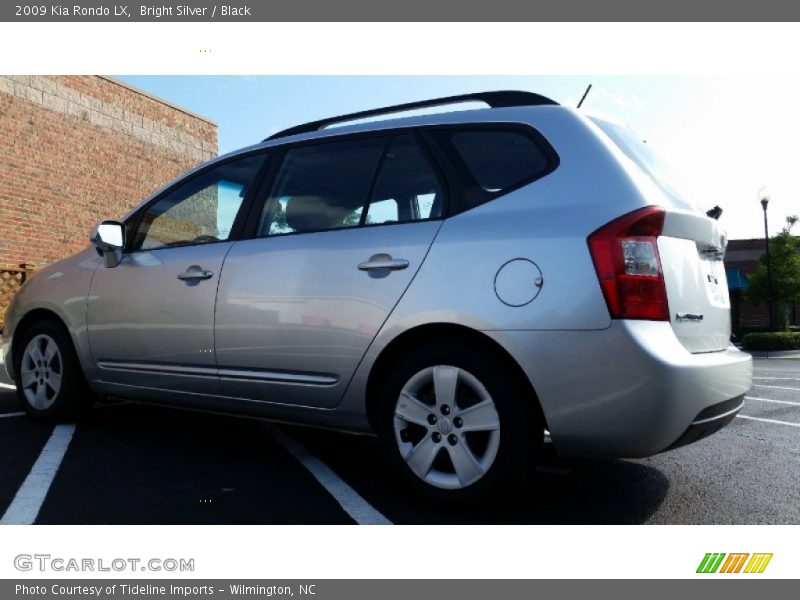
x=650, y=163
x=495, y=160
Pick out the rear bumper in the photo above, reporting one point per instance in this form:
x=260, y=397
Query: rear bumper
x=630, y=390
x=709, y=420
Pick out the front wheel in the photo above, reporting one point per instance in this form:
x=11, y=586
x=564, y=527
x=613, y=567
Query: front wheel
x=50, y=383
x=454, y=422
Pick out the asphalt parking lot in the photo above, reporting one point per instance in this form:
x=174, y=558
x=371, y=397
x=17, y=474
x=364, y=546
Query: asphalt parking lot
x=127, y=463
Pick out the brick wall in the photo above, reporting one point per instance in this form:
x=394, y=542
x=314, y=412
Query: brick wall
x=78, y=149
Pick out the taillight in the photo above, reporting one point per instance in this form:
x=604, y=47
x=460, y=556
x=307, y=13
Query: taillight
x=625, y=255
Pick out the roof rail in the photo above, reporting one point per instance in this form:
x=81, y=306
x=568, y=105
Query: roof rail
x=498, y=99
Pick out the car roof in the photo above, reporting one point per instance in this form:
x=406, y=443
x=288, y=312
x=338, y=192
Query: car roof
x=455, y=117
x=493, y=99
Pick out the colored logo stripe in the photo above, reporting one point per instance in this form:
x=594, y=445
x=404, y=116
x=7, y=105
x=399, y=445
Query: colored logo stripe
x=733, y=564
x=758, y=563
x=710, y=563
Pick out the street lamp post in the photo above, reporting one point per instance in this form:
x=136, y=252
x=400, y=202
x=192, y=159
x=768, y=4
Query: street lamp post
x=770, y=302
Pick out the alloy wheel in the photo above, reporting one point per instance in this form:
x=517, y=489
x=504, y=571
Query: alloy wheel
x=41, y=372
x=446, y=427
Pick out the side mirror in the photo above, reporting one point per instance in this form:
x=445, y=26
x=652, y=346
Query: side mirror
x=109, y=240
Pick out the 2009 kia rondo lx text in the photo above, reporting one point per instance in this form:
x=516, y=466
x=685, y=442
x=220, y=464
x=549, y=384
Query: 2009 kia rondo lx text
x=456, y=283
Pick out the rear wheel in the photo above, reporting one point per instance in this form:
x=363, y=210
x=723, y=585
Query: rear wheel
x=50, y=383
x=454, y=422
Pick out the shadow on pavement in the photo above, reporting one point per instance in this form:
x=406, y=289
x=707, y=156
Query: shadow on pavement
x=560, y=492
x=132, y=464
x=8, y=400
x=144, y=464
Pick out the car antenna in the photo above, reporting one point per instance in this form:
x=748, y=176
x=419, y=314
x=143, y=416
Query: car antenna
x=586, y=93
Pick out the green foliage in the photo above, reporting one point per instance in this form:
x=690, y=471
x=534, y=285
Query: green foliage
x=279, y=224
x=781, y=340
x=351, y=219
x=784, y=251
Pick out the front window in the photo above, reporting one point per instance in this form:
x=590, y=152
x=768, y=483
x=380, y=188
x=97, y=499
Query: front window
x=199, y=211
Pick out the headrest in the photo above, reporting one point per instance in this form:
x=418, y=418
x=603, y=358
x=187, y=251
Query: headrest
x=307, y=213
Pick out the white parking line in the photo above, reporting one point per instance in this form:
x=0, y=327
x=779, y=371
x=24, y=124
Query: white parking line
x=767, y=420
x=6, y=386
x=15, y=414
x=26, y=505
x=354, y=505
x=776, y=387
x=779, y=378
x=771, y=400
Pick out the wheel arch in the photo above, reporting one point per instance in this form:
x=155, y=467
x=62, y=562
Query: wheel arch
x=437, y=332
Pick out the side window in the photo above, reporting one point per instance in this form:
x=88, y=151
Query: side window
x=494, y=160
x=407, y=188
x=199, y=211
x=383, y=211
x=322, y=186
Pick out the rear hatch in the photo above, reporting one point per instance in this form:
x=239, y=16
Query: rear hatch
x=691, y=249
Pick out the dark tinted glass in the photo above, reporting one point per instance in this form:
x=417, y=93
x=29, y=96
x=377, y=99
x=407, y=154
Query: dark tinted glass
x=496, y=159
x=407, y=188
x=322, y=186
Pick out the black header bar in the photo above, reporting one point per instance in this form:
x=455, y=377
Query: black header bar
x=402, y=10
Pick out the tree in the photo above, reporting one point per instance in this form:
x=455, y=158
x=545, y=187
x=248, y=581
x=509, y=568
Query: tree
x=784, y=250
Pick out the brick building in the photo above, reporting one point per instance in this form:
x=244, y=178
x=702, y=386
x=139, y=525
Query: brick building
x=741, y=258
x=78, y=149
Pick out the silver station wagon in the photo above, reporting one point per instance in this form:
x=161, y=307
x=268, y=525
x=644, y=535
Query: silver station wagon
x=457, y=283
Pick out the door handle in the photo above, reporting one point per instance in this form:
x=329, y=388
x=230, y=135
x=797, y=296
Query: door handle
x=195, y=273
x=383, y=262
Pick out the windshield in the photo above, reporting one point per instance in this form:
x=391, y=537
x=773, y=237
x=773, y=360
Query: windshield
x=651, y=164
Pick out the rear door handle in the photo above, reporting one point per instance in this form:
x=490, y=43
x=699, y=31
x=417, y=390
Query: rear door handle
x=195, y=273
x=383, y=262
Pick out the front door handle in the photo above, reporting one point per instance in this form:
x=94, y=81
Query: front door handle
x=195, y=273
x=383, y=262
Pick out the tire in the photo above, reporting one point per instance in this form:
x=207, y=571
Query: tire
x=50, y=383
x=427, y=426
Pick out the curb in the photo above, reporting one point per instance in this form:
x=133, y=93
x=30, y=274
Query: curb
x=785, y=354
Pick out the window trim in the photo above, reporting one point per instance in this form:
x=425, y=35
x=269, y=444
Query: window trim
x=375, y=178
x=135, y=219
x=257, y=209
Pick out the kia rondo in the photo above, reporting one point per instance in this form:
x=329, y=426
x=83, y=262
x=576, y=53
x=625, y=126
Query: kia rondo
x=456, y=283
